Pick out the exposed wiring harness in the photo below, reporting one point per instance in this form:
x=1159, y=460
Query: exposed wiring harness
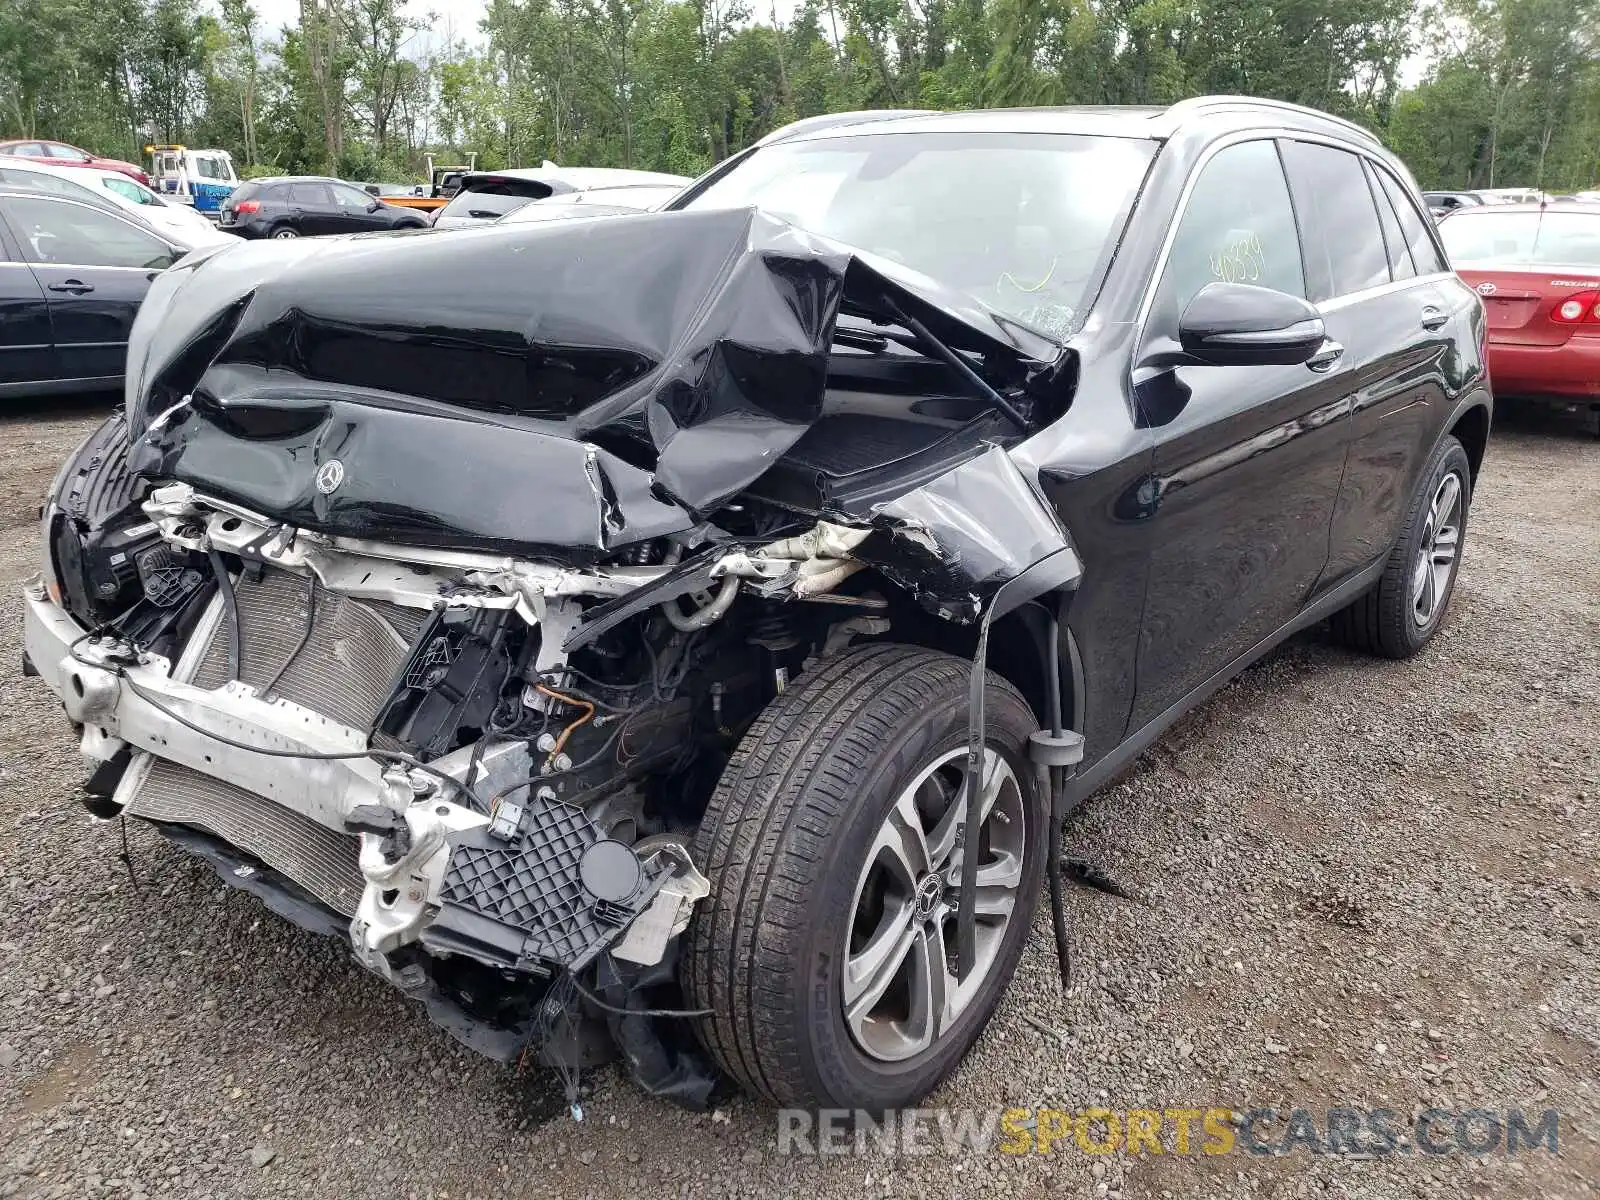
x=604, y=1006
x=588, y=715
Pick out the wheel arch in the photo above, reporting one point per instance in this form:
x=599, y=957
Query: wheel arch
x=1471, y=428
x=1019, y=646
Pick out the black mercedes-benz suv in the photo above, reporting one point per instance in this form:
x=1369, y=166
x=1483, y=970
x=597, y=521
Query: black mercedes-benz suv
x=689, y=632
x=292, y=206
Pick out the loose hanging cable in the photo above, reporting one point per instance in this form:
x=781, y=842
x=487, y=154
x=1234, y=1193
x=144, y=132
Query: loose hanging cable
x=231, y=605
x=127, y=855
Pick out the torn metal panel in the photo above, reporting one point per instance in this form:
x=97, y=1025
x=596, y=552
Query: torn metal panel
x=957, y=539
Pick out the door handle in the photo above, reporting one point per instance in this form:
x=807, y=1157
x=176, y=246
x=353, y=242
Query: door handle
x=75, y=286
x=1326, y=355
x=1433, y=318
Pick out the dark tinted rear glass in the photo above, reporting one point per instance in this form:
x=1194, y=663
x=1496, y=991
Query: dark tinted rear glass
x=490, y=198
x=1343, y=242
x=1424, y=252
x=309, y=193
x=1400, y=264
x=246, y=191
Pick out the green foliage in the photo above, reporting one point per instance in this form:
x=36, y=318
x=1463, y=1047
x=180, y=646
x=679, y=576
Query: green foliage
x=1509, y=93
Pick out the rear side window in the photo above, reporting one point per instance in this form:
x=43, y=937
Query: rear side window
x=1238, y=227
x=309, y=193
x=1423, y=250
x=1344, y=243
x=1400, y=264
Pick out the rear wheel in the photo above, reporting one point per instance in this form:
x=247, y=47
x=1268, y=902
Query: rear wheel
x=284, y=232
x=825, y=951
x=1404, y=609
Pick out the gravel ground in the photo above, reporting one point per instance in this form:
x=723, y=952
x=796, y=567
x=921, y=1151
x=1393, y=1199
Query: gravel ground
x=1368, y=884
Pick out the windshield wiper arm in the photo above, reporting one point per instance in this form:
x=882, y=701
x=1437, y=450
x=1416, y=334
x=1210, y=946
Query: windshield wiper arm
x=961, y=366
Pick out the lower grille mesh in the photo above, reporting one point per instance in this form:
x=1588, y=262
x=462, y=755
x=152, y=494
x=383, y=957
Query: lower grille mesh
x=323, y=862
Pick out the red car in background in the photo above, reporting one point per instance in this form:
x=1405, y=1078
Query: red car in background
x=1538, y=271
x=59, y=154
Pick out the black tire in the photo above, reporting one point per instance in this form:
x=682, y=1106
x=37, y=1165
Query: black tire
x=784, y=841
x=284, y=232
x=1382, y=621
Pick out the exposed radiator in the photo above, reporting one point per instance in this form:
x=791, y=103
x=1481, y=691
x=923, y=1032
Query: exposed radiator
x=323, y=862
x=343, y=671
x=348, y=662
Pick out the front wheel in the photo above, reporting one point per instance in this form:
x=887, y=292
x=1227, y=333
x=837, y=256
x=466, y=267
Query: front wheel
x=1404, y=609
x=826, y=949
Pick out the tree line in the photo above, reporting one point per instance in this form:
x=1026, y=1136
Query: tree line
x=364, y=89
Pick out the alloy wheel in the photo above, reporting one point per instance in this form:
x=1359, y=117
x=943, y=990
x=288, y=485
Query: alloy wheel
x=900, y=988
x=1436, y=556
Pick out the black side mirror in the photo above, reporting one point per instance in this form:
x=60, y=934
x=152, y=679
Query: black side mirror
x=1235, y=324
x=374, y=205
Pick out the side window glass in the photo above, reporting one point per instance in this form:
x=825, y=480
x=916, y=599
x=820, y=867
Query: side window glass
x=350, y=198
x=70, y=234
x=56, y=150
x=1344, y=243
x=1400, y=264
x=1423, y=250
x=308, y=193
x=1238, y=227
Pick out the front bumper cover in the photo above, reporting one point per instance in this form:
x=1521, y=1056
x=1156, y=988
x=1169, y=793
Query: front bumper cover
x=445, y=885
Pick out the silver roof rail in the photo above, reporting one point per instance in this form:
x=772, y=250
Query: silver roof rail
x=1198, y=105
x=838, y=120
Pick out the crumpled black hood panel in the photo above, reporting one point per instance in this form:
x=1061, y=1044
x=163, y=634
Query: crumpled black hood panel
x=443, y=370
x=393, y=477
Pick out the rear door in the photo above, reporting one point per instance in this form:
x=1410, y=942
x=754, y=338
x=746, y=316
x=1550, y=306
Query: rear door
x=26, y=353
x=1378, y=280
x=313, y=209
x=95, y=268
x=1248, y=459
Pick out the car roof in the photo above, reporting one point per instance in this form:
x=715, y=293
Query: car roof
x=581, y=178
x=1133, y=121
x=1567, y=206
x=21, y=162
x=296, y=179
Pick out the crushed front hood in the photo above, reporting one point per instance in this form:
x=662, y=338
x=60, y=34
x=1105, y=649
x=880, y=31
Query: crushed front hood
x=583, y=384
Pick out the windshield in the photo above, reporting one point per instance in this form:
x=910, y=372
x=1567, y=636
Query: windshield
x=1536, y=237
x=1024, y=222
